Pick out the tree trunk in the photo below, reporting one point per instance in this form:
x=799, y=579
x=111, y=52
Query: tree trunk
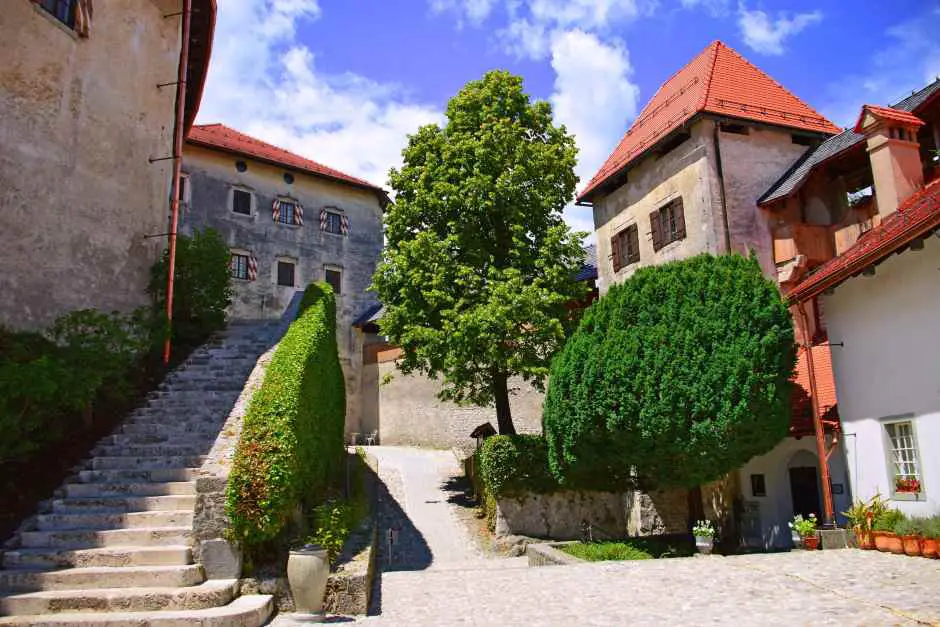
x=503, y=410
x=696, y=508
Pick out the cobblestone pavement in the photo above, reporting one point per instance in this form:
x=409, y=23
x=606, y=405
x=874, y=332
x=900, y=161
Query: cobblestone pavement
x=437, y=576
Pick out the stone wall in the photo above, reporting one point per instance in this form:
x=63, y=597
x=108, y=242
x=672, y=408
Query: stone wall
x=564, y=515
x=406, y=410
x=79, y=194
x=212, y=177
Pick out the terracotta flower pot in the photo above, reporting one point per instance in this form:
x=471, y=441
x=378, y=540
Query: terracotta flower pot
x=892, y=543
x=928, y=547
x=811, y=543
x=880, y=538
x=863, y=539
x=911, y=545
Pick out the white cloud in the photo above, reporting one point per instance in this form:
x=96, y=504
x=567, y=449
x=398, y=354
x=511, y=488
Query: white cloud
x=715, y=8
x=594, y=97
x=473, y=11
x=263, y=82
x=525, y=39
x=763, y=34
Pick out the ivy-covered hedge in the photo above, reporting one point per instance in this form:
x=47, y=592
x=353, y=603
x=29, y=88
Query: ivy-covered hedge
x=291, y=447
x=517, y=464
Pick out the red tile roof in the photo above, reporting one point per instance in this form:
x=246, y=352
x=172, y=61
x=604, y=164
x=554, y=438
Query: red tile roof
x=802, y=409
x=916, y=216
x=221, y=137
x=717, y=81
x=887, y=113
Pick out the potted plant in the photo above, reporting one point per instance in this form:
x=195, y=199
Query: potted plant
x=928, y=544
x=909, y=530
x=704, y=533
x=885, y=537
x=906, y=484
x=859, y=519
x=806, y=529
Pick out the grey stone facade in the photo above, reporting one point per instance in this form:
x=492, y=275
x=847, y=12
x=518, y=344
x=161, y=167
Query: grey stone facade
x=213, y=177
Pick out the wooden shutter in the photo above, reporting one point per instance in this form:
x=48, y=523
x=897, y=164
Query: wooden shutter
x=615, y=251
x=633, y=243
x=679, y=215
x=656, y=230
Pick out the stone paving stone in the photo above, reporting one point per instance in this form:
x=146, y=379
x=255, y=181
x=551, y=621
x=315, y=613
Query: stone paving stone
x=441, y=578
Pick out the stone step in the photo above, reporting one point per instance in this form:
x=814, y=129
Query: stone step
x=105, y=556
x=245, y=611
x=129, y=489
x=144, y=439
x=32, y=580
x=98, y=538
x=155, y=427
x=150, y=450
x=137, y=476
x=208, y=594
x=117, y=504
x=129, y=520
x=146, y=463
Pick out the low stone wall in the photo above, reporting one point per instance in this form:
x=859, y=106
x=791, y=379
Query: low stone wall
x=547, y=554
x=349, y=588
x=566, y=515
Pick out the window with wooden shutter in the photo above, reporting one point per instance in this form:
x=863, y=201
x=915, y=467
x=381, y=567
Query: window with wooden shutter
x=656, y=230
x=632, y=240
x=679, y=218
x=615, y=251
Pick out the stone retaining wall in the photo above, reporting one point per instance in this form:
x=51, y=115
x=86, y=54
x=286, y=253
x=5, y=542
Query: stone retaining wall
x=546, y=554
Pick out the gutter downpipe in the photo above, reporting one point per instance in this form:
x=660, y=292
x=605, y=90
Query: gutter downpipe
x=178, y=130
x=721, y=188
x=821, y=452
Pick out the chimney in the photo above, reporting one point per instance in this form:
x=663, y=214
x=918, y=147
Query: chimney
x=894, y=154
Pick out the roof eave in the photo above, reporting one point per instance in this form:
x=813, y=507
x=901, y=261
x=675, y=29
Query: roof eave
x=202, y=32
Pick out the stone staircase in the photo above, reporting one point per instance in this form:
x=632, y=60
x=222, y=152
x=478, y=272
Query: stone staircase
x=114, y=546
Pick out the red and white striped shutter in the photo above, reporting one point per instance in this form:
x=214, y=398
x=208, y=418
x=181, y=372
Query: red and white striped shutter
x=322, y=219
x=252, y=267
x=344, y=222
x=299, y=214
x=276, y=210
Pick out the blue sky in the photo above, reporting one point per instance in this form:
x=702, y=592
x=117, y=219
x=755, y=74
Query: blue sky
x=345, y=81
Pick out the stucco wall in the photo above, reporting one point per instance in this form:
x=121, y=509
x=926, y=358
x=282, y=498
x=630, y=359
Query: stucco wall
x=410, y=413
x=766, y=518
x=212, y=176
x=685, y=171
x=889, y=367
x=751, y=164
x=79, y=119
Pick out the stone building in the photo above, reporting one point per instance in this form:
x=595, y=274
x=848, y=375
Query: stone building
x=686, y=179
x=86, y=130
x=289, y=221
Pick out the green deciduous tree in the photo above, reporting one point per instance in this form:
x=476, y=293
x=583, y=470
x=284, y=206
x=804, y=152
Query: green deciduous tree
x=479, y=263
x=681, y=372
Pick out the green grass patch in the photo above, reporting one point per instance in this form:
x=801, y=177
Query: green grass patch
x=632, y=549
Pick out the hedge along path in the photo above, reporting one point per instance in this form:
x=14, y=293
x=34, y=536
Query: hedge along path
x=291, y=449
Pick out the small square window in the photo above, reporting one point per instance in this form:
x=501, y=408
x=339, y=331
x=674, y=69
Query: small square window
x=335, y=279
x=285, y=273
x=239, y=266
x=334, y=223
x=904, y=459
x=758, y=485
x=241, y=202
x=285, y=214
x=62, y=10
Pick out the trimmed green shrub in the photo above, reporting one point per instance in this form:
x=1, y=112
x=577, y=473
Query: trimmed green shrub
x=202, y=286
x=681, y=372
x=291, y=448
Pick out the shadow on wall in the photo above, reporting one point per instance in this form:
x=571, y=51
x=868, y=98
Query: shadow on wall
x=401, y=546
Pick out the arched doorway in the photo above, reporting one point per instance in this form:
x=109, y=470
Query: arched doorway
x=803, y=471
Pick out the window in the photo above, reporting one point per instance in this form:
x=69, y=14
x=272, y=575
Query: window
x=758, y=485
x=734, y=129
x=286, y=213
x=334, y=223
x=667, y=224
x=185, y=192
x=903, y=459
x=241, y=202
x=285, y=273
x=335, y=278
x=62, y=10
x=625, y=247
x=239, y=266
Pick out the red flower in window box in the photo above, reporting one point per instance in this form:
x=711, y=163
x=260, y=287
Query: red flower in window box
x=906, y=484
